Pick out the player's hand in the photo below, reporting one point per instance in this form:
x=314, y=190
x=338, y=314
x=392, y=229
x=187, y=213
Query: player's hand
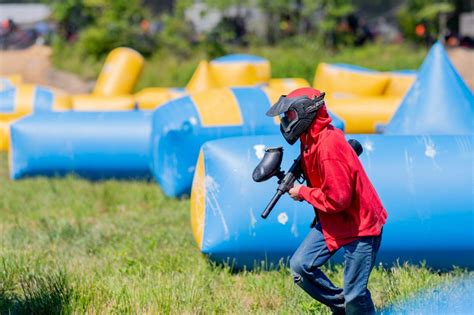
x=295, y=192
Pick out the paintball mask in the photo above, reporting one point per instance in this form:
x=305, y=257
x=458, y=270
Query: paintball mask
x=296, y=114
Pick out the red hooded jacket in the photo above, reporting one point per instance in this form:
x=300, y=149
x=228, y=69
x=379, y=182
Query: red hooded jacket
x=344, y=199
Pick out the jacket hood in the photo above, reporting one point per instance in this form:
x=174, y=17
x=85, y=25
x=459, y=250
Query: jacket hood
x=321, y=121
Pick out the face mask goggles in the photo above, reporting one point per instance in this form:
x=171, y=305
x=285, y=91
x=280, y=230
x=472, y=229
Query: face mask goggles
x=296, y=114
x=290, y=109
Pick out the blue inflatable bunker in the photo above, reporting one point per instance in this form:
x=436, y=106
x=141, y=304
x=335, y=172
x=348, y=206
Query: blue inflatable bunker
x=93, y=145
x=181, y=126
x=438, y=102
x=425, y=183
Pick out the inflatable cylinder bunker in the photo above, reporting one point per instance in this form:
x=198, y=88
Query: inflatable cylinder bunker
x=181, y=126
x=24, y=99
x=94, y=145
x=425, y=183
x=120, y=72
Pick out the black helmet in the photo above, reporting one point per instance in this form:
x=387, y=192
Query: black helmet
x=297, y=111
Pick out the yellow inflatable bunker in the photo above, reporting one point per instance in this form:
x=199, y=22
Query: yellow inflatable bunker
x=230, y=71
x=115, y=83
x=361, y=97
x=236, y=70
x=285, y=86
x=91, y=102
x=4, y=135
x=151, y=98
x=120, y=72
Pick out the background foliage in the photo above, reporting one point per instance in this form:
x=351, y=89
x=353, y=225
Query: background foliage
x=97, y=26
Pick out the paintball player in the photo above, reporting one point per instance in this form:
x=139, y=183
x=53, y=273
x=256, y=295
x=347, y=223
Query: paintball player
x=348, y=211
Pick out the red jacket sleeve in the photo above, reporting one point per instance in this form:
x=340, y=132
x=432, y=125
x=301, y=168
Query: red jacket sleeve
x=336, y=189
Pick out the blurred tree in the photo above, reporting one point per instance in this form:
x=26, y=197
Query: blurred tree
x=177, y=35
x=332, y=25
x=101, y=25
x=117, y=23
x=72, y=16
x=426, y=15
x=225, y=4
x=296, y=17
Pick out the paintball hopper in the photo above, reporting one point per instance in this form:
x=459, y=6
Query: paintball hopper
x=269, y=166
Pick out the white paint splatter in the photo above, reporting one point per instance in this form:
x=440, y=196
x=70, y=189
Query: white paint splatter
x=212, y=189
x=368, y=149
x=253, y=221
x=464, y=145
x=283, y=218
x=294, y=226
x=211, y=184
x=259, y=150
x=252, y=218
x=430, y=150
x=409, y=171
x=193, y=121
x=368, y=146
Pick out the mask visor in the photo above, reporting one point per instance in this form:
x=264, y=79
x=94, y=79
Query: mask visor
x=288, y=119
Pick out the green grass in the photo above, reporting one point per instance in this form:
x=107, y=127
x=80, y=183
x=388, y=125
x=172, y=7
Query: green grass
x=297, y=57
x=69, y=245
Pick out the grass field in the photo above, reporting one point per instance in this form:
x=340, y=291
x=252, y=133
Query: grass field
x=69, y=245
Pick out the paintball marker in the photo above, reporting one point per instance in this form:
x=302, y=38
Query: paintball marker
x=269, y=166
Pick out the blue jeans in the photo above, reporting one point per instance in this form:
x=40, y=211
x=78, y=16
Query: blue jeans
x=359, y=258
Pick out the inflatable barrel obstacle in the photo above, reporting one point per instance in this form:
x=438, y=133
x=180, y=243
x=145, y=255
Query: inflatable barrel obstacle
x=115, y=84
x=24, y=99
x=181, y=126
x=363, y=98
x=427, y=220
x=94, y=145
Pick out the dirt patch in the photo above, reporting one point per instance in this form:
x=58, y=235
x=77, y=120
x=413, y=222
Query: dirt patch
x=34, y=65
x=463, y=60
